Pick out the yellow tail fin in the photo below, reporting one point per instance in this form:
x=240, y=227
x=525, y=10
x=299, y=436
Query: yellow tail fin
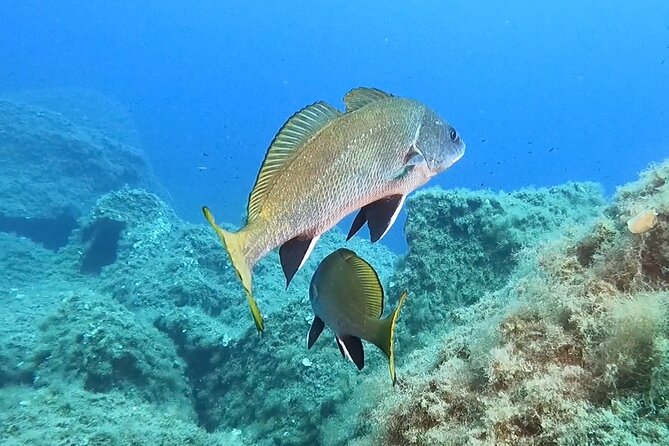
x=233, y=245
x=386, y=336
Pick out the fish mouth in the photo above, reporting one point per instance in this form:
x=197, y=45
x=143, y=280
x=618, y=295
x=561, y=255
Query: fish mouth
x=437, y=166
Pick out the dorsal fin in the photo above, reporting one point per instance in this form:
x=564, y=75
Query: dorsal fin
x=299, y=129
x=359, y=97
x=371, y=285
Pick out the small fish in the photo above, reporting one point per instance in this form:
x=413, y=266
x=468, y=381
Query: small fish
x=324, y=164
x=346, y=295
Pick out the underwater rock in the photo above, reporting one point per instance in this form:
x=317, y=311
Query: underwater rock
x=177, y=277
x=573, y=349
x=67, y=415
x=94, y=342
x=131, y=241
x=261, y=384
x=32, y=281
x=52, y=170
x=463, y=244
x=86, y=108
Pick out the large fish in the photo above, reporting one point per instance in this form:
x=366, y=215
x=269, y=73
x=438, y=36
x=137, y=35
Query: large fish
x=346, y=295
x=324, y=164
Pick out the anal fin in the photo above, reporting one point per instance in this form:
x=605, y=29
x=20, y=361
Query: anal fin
x=379, y=216
x=341, y=350
x=294, y=253
x=351, y=346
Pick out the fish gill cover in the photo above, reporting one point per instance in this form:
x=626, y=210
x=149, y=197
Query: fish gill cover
x=537, y=315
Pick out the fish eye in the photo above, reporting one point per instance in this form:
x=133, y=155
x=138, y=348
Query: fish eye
x=454, y=135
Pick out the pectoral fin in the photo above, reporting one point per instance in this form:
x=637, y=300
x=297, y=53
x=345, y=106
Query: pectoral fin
x=294, y=253
x=379, y=216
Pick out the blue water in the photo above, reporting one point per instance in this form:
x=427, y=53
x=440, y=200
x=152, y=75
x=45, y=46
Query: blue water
x=542, y=92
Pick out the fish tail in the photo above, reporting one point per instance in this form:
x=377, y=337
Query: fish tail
x=234, y=243
x=386, y=336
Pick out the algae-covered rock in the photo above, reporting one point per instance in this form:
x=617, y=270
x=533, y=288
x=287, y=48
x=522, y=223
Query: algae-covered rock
x=271, y=385
x=86, y=108
x=463, y=244
x=31, y=286
x=132, y=241
x=275, y=387
x=52, y=170
x=100, y=345
x=134, y=249
x=572, y=350
x=69, y=416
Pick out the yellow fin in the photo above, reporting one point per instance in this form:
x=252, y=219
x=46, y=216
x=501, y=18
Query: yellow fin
x=234, y=245
x=371, y=285
x=385, y=338
x=359, y=97
x=299, y=129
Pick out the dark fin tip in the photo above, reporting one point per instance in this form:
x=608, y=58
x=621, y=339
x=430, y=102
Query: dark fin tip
x=354, y=347
x=358, y=223
x=315, y=331
x=292, y=254
x=380, y=215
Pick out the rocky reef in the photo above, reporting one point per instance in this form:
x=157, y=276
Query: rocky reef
x=53, y=170
x=464, y=244
x=536, y=317
x=573, y=349
x=91, y=110
x=147, y=308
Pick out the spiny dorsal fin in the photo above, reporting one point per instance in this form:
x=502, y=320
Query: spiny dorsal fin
x=371, y=285
x=299, y=129
x=359, y=97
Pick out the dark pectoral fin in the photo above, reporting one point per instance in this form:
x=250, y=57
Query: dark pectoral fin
x=352, y=348
x=315, y=331
x=294, y=253
x=379, y=215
